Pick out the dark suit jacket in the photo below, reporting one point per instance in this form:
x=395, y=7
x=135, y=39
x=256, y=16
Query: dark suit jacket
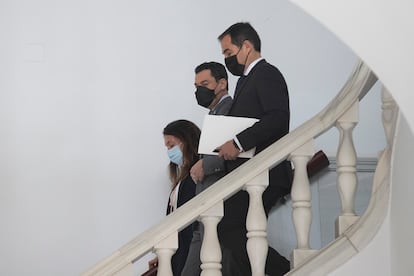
x=185, y=193
x=262, y=94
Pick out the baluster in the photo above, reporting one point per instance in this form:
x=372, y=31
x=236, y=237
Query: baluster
x=164, y=250
x=301, y=203
x=346, y=169
x=210, y=254
x=256, y=224
x=389, y=114
x=389, y=122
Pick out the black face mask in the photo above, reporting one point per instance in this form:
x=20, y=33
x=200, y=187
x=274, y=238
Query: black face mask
x=233, y=65
x=204, y=96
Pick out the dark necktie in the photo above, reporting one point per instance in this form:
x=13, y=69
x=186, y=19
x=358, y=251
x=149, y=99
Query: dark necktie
x=239, y=84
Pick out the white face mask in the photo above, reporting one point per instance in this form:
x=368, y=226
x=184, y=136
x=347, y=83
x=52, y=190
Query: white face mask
x=176, y=155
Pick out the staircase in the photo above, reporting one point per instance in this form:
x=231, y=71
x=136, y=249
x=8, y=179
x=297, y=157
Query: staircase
x=353, y=233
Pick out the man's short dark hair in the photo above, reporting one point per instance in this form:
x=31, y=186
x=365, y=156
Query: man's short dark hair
x=218, y=71
x=239, y=32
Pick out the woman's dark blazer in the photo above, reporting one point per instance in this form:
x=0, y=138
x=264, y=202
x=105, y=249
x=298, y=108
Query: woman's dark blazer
x=185, y=193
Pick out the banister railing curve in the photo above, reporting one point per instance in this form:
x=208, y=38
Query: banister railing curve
x=358, y=84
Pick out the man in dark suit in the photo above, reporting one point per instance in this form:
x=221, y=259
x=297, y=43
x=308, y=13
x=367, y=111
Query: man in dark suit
x=261, y=93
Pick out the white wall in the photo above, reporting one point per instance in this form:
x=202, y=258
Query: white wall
x=381, y=33
x=85, y=90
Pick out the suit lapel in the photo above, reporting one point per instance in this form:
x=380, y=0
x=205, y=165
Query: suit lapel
x=243, y=80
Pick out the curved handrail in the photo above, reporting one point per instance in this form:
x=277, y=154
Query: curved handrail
x=358, y=84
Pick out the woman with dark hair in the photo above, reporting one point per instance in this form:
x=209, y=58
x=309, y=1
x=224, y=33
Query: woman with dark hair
x=181, y=139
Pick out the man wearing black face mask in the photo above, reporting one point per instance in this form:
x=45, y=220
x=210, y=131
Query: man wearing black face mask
x=211, y=83
x=261, y=92
x=212, y=87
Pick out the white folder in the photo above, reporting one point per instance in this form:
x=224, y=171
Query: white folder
x=218, y=129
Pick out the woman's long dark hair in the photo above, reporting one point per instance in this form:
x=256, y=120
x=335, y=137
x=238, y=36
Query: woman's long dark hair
x=189, y=135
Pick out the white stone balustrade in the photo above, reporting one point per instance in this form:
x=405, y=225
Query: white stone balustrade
x=389, y=112
x=164, y=250
x=126, y=271
x=346, y=169
x=256, y=224
x=301, y=203
x=210, y=254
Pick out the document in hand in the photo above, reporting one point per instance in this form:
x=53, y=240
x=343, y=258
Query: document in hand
x=218, y=129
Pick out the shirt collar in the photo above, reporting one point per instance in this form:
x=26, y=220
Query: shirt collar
x=251, y=65
x=221, y=99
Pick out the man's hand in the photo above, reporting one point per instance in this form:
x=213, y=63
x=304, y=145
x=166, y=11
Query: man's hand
x=228, y=151
x=197, y=172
